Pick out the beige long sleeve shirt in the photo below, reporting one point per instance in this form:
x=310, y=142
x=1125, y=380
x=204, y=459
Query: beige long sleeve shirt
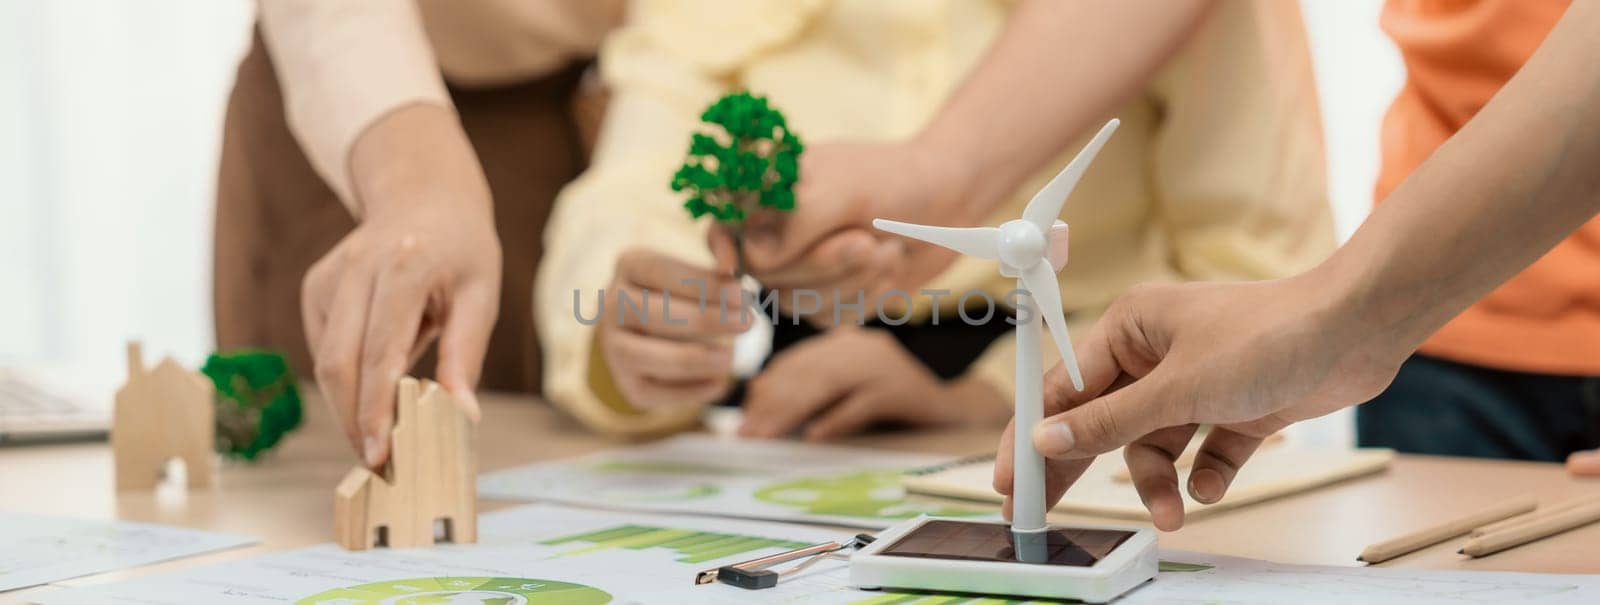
x=1216, y=173
x=345, y=63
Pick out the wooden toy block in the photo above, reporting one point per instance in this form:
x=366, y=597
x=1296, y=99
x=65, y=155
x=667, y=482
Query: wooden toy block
x=432, y=479
x=162, y=413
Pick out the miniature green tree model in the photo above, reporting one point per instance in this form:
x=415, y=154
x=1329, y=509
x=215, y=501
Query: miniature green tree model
x=752, y=163
x=257, y=400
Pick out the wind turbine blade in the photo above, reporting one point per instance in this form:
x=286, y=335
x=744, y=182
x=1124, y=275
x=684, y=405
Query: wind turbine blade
x=1040, y=281
x=980, y=242
x=1046, y=205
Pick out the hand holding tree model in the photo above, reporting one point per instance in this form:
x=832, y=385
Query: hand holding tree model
x=750, y=163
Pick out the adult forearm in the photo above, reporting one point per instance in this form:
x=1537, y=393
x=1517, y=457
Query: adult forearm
x=1056, y=70
x=343, y=65
x=418, y=154
x=1523, y=174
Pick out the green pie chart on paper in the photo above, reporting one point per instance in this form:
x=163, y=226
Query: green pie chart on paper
x=871, y=494
x=461, y=591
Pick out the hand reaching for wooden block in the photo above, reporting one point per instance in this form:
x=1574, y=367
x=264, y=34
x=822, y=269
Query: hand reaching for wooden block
x=431, y=481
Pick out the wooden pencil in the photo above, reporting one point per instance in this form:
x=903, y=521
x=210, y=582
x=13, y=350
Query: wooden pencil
x=1572, y=518
x=1423, y=538
x=1540, y=513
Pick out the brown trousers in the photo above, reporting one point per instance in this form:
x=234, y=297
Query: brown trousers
x=275, y=216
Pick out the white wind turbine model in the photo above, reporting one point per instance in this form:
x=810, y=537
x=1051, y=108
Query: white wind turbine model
x=1030, y=249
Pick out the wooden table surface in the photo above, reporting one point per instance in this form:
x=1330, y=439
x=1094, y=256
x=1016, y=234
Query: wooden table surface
x=286, y=499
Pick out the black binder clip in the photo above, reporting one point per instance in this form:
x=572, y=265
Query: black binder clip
x=756, y=574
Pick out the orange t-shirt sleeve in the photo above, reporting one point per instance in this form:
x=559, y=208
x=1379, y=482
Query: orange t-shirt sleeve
x=1458, y=54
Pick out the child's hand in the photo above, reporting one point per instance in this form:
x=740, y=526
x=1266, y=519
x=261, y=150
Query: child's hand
x=685, y=361
x=851, y=261
x=845, y=380
x=828, y=241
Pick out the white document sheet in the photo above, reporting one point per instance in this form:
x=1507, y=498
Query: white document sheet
x=541, y=554
x=759, y=479
x=1236, y=580
x=533, y=554
x=1189, y=578
x=37, y=549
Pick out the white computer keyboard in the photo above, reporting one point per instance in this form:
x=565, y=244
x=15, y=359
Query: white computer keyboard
x=32, y=409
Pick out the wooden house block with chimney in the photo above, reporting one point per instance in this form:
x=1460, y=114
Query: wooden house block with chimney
x=431, y=490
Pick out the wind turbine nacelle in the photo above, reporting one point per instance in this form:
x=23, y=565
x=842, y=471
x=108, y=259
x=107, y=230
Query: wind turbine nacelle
x=1021, y=244
x=1055, y=250
x=1029, y=250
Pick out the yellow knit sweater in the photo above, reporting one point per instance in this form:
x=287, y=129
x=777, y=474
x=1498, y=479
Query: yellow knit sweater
x=1216, y=173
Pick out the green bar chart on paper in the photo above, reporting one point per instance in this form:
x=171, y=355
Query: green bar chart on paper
x=690, y=545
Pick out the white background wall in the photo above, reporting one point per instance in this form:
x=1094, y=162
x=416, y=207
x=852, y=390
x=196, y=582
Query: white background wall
x=110, y=122
x=110, y=117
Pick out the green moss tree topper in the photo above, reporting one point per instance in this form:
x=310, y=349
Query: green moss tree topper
x=257, y=400
x=748, y=162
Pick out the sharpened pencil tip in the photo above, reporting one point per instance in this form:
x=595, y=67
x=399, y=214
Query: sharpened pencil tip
x=1360, y=560
x=1461, y=551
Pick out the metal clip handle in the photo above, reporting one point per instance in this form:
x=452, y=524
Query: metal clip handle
x=755, y=573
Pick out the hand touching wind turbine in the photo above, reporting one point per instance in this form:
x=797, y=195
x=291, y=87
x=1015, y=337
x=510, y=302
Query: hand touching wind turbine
x=1028, y=250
